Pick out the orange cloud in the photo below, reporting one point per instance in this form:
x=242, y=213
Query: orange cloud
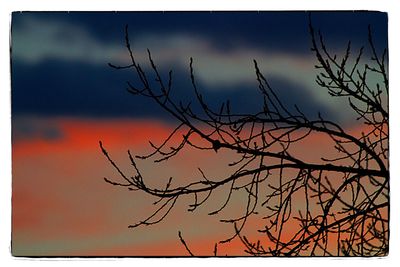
x=85, y=134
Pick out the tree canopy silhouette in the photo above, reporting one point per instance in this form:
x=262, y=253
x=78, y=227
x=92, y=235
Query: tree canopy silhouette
x=337, y=205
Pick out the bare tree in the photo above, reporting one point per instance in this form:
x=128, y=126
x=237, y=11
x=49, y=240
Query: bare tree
x=341, y=202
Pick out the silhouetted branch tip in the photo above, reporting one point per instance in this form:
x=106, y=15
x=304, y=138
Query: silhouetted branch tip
x=184, y=243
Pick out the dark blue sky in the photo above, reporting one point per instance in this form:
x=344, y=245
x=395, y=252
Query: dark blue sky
x=280, y=30
x=59, y=59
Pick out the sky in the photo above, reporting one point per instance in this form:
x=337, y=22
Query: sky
x=63, y=57
x=65, y=98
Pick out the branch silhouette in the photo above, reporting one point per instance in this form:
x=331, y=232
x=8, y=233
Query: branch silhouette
x=335, y=207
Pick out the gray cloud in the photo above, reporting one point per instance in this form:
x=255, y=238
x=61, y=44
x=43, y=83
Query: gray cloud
x=27, y=128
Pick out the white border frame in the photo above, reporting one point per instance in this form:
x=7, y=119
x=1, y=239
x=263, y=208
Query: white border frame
x=390, y=6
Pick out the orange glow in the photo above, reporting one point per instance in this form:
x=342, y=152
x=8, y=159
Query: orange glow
x=59, y=194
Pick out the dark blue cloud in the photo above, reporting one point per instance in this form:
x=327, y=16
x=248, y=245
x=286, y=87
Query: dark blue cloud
x=55, y=88
x=61, y=88
x=339, y=27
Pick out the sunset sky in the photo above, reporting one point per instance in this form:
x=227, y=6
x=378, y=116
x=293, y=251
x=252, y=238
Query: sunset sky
x=65, y=98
